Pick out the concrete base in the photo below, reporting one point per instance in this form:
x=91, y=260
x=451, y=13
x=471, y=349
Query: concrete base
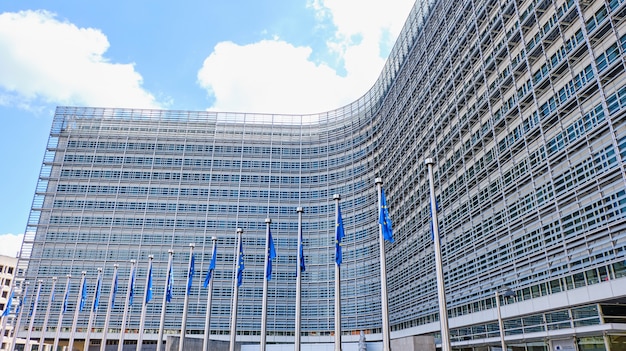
x=413, y=343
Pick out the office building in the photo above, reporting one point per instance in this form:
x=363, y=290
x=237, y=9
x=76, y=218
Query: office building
x=7, y=286
x=521, y=105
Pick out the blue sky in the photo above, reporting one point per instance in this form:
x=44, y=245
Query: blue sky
x=277, y=56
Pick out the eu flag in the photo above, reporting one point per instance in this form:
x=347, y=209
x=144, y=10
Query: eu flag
x=7, y=308
x=192, y=268
x=52, y=293
x=384, y=219
x=302, y=265
x=169, y=290
x=339, y=234
x=96, y=299
x=432, y=228
x=149, y=286
x=114, y=292
x=211, y=267
x=83, y=296
x=22, y=300
x=132, y=287
x=66, y=298
x=271, y=254
x=240, y=265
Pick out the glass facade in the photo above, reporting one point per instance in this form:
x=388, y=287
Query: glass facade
x=520, y=103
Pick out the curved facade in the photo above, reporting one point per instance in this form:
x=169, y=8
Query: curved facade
x=520, y=103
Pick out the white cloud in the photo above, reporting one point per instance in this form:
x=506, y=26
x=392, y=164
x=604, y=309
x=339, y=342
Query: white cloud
x=277, y=77
x=269, y=76
x=10, y=244
x=47, y=60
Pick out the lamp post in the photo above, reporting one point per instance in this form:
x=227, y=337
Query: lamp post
x=507, y=293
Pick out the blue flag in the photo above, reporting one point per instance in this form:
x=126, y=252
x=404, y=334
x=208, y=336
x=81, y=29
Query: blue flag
x=22, y=300
x=302, y=265
x=169, y=289
x=271, y=254
x=131, y=294
x=66, y=298
x=7, y=308
x=83, y=296
x=114, y=292
x=384, y=219
x=149, y=286
x=432, y=227
x=207, y=278
x=240, y=265
x=96, y=299
x=339, y=234
x=192, y=269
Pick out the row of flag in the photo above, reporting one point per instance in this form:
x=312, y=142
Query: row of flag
x=384, y=221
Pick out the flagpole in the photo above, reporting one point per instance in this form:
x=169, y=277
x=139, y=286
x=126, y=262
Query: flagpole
x=61, y=312
x=337, y=197
x=268, y=221
x=144, y=306
x=107, y=318
x=165, y=300
x=70, y=345
x=44, y=327
x=92, y=313
x=299, y=284
x=129, y=292
x=233, y=312
x=384, y=304
x=183, y=324
x=207, y=318
x=443, y=310
x=33, y=314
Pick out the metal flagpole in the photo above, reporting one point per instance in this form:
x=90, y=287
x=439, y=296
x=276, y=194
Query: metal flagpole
x=33, y=314
x=268, y=221
x=129, y=293
x=61, y=313
x=441, y=292
x=207, y=318
x=144, y=306
x=183, y=324
x=168, y=284
x=44, y=327
x=92, y=313
x=299, y=284
x=70, y=345
x=384, y=304
x=107, y=318
x=21, y=306
x=233, y=312
x=337, y=197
